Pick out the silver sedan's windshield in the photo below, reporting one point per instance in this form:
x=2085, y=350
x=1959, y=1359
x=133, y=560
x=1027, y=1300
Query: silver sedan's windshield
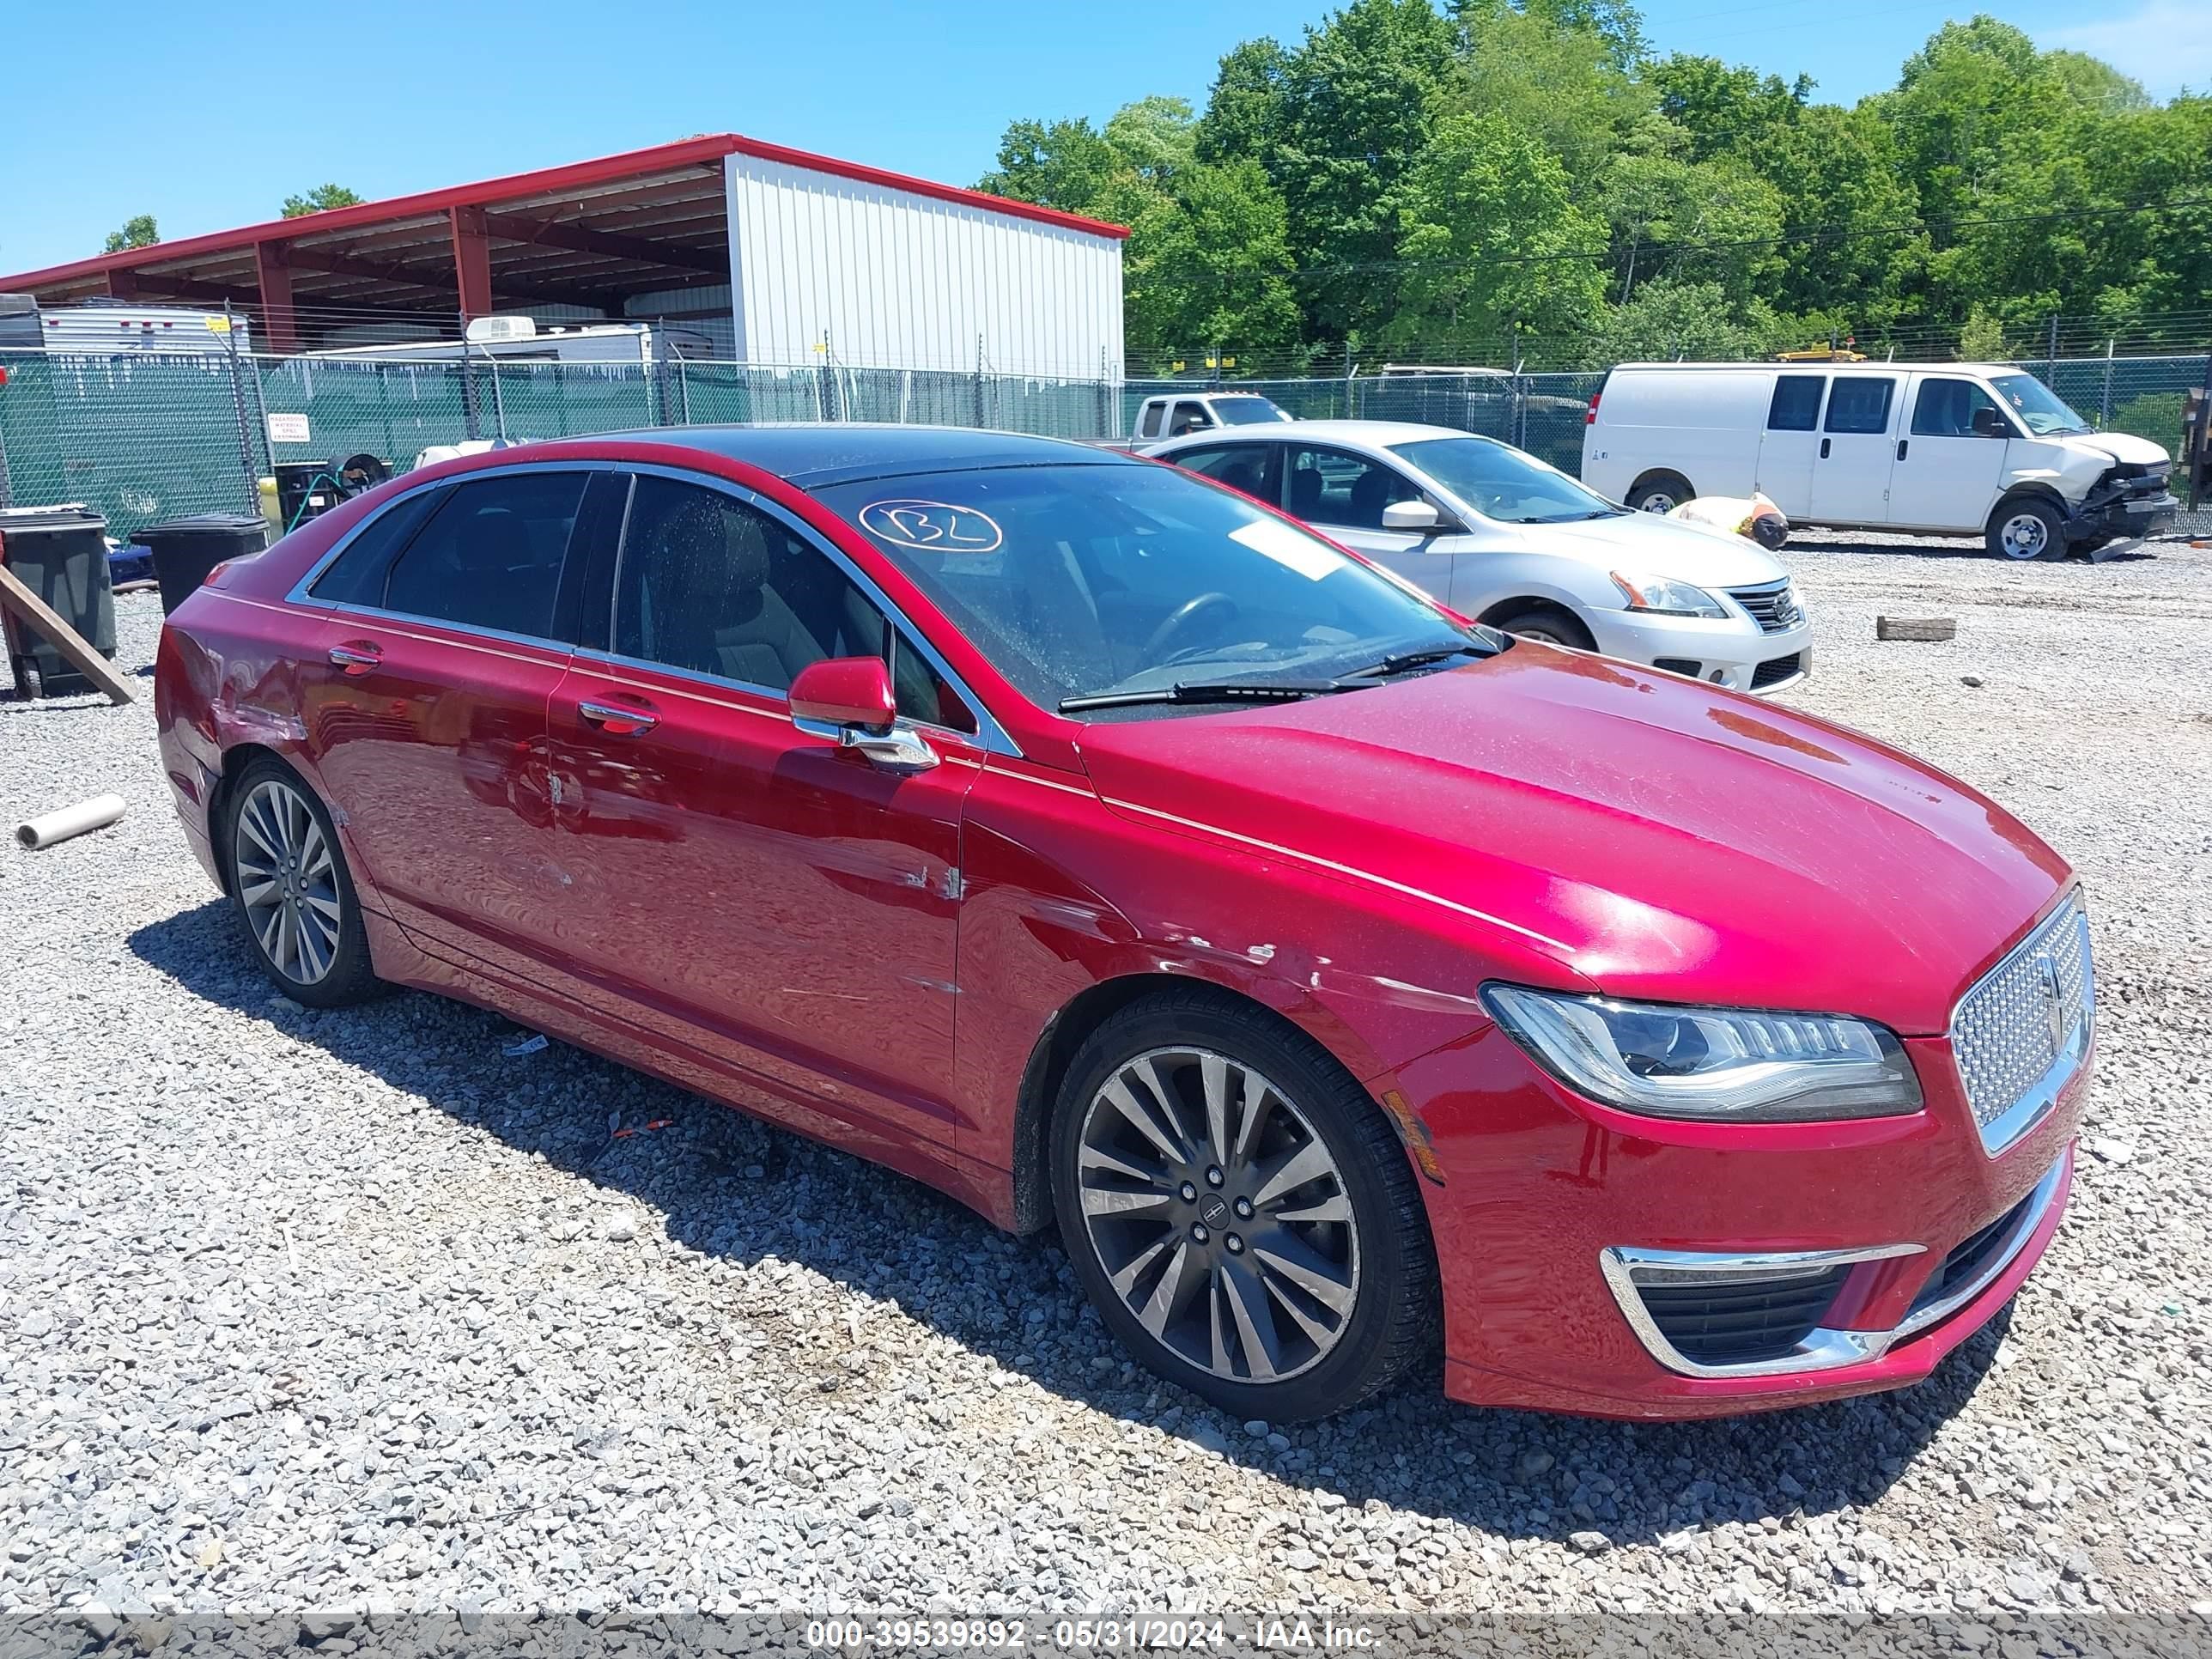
x=1500, y=483
x=1083, y=580
x=2041, y=409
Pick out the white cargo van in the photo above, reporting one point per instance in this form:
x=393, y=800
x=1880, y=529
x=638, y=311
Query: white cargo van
x=1957, y=449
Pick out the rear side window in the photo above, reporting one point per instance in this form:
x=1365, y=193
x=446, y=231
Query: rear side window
x=491, y=556
x=1860, y=402
x=1796, y=405
x=357, y=576
x=1148, y=424
x=1247, y=467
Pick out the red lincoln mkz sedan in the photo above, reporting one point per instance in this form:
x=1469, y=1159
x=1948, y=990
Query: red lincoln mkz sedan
x=1089, y=841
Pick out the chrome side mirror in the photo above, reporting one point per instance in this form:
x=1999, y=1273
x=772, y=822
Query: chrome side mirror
x=848, y=701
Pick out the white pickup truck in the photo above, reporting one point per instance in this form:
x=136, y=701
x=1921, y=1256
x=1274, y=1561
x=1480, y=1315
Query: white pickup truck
x=1173, y=414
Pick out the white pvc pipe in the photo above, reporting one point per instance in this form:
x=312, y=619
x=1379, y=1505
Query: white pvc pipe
x=94, y=814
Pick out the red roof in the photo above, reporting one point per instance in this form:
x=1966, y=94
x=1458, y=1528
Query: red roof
x=549, y=181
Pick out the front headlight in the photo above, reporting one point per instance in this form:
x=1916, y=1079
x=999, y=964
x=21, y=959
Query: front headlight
x=1665, y=597
x=1723, y=1065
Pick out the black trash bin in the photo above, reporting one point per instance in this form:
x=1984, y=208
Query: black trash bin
x=185, y=549
x=59, y=553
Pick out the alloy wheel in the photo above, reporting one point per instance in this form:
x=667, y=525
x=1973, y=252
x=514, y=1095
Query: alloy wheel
x=2023, y=536
x=287, y=881
x=1219, y=1214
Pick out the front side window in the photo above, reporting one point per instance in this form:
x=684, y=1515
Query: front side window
x=1500, y=483
x=1076, y=580
x=1860, y=402
x=711, y=584
x=1190, y=417
x=490, y=555
x=1946, y=409
x=1332, y=487
x=1796, y=405
x=2042, y=410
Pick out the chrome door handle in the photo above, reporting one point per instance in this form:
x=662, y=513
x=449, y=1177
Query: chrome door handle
x=616, y=714
x=355, y=661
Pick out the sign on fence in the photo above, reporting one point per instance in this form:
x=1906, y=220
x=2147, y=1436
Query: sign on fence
x=289, y=429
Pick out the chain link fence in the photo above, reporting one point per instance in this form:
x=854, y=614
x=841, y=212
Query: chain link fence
x=145, y=436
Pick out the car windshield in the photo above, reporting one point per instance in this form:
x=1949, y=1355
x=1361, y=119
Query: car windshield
x=1500, y=483
x=1084, y=580
x=2043, y=411
x=1246, y=411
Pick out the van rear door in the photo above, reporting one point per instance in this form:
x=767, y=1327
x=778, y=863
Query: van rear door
x=1791, y=441
x=1850, y=469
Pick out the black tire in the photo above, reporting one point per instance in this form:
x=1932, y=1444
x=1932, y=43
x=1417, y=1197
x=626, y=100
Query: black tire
x=1394, y=1320
x=349, y=977
x=1546, y=621
x=1660, y=492
x=2024, y=529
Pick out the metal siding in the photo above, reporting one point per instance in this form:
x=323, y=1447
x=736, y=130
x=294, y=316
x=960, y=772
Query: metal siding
x=901, y=279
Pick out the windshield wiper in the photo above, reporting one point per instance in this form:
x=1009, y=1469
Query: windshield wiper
x=1209, y=691
x=1399, y=662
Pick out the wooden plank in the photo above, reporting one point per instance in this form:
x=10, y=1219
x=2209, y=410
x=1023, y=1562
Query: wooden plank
x=1915, y=628
x=34, y=611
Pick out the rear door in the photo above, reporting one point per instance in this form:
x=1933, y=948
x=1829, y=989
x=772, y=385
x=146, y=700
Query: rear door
x=1253, y=468
x=748, y=892
x=427, y=711
x=1851, y=470
x=1946, y=476
x=1791, y=443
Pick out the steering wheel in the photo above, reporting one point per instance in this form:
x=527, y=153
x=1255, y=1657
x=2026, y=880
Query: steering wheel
x=1181, y=619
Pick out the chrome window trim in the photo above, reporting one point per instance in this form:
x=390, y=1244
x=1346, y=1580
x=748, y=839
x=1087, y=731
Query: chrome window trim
x=1626, y=1268
x=2040, y=1097
x=588, y=657
x=989, y=735
x=1918, y=1318
x=1823, y=1348
x=298, y=593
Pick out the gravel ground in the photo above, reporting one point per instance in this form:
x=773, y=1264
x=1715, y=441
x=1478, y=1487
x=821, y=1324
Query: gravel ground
x=319, y=1310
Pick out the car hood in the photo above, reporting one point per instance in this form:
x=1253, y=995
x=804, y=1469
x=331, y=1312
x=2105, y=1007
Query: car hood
x=1590, y=823
x=2120, y=446
x=1646, y=544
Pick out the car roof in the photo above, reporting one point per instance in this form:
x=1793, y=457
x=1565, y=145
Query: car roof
x=1823, y=366
x=1354, y=432
x=814, y=454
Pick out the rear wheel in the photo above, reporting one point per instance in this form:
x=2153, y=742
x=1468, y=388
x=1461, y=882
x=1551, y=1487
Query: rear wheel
x=2025, y=530
x=1660, y=492
x=292, y=892
x=1239, y=1213
x=1548, y=623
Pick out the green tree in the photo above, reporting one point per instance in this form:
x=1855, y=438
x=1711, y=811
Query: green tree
x=1243, y=118
x=1716, y=222
x=1561, y=84
x=1059, y=164
x=1851, y=218
x=1154, y=138
x=1208, y=266
x=1494, y=239
x=1359, y=101
x=1726, y=109
x=321, y=199
x=1616, y=25
x=138, y=231
x=1667, y=319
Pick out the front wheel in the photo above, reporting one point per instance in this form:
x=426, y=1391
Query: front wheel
x=1240, y=1212
x=1544, y=623
x=2026, y=530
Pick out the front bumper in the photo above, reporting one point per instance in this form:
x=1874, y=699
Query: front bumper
x=1726, y=651
x=2128, y=517
x=1544, y=1191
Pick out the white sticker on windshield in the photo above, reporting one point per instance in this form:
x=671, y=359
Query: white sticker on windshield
x=932, y=526
x=1288, y=547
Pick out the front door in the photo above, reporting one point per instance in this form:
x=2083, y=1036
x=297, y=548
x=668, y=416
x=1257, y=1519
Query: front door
x=426, y=710
x=781, y=905
x=1791, y=443
x=1946, y=474
x=1851, y=472
x=1343, y=495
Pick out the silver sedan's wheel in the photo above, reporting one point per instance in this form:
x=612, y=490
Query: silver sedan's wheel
x=2024, y=535
x=288, y=882
x=1218, y=1216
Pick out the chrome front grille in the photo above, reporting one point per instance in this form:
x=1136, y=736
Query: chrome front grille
x=1772, y=606
x=2025, y=1026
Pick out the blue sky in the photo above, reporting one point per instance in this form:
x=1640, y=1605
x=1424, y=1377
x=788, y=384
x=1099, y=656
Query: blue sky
x=211, y=122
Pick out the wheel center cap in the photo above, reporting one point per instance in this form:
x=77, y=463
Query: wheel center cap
x=1214, y=1212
